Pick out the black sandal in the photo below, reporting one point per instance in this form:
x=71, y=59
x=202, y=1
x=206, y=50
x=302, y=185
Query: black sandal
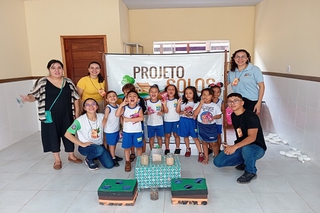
x=132, y=157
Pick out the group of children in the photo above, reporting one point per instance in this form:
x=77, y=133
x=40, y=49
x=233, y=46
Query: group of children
x=167, y=114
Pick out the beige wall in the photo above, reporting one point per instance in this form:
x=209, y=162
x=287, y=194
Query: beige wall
x=278, y=33
x=47, y=20
x=124, y=23
x=222, y=23
x=287, y=33
x=14, y=49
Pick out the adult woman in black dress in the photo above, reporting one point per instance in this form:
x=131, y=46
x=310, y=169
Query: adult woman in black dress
x=63, y=111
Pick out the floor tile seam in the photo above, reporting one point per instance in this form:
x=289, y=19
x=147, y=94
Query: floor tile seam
x=284, y=193
x=257, y=200
x=306, y=202
x=87, y=181
x=74, y=199
x=38, y=191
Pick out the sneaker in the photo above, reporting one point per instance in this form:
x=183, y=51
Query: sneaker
x=115, y=163
x=91, y=164
x=246, y=177
x=241, y=167
x=127, y=167
x=188, y=152
x=166, y=151
x=118, y=158
x=177, y=151
x=200, y=158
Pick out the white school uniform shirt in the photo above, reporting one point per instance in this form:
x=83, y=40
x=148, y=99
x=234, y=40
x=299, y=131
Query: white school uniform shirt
x=130, y=127
x=171, y=115
x=154, y=119
x=207, y=112
x=219, y=103
x=113, y=122
x=189, y=107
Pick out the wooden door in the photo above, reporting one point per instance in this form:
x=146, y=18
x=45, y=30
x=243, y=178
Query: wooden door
x=79, y=51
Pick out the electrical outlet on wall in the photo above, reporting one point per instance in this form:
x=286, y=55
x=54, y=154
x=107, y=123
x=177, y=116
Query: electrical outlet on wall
x=288, y=68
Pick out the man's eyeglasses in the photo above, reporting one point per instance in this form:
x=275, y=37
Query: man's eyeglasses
x=236, y=101
x=92, y=104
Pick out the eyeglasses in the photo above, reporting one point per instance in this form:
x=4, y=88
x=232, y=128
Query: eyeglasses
x=234, y=101
x=242, y=57
x=92, y=104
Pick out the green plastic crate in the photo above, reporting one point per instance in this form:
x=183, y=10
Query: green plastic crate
x=117, y=188
x=188, y=186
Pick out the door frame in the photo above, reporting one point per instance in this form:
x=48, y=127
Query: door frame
x=105, y=49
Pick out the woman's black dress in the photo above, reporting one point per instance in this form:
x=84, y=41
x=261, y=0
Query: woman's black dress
x=52, y=133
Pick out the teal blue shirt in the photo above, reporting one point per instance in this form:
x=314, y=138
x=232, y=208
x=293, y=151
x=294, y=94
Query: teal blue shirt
x=248, y=81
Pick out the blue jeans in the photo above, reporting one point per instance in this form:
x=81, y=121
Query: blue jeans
x=248, y=155
x=99, y=152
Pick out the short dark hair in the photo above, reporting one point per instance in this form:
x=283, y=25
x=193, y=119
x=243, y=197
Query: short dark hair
x=54, y=61
x=210, y=91
x=129, y=87
x=154, y=86
x=234, y=94
x=84, y=104
x=110, y=91
x=133, y=91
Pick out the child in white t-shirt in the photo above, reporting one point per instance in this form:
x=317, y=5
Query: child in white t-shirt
x=207, y=112
x=132, y=116
x=154, y=120
x=111, y=124
x=171, y=118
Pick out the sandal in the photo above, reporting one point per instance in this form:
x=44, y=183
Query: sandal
x=132, y=157
x=57, y=166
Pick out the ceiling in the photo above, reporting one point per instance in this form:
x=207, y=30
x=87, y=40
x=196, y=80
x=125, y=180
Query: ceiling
x=157, y=4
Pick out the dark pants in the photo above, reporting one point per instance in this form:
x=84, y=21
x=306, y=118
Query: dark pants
x=248, y=104
x=99, y=152
x=247, y=155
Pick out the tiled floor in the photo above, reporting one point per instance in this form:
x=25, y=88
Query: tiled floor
x=28, y=183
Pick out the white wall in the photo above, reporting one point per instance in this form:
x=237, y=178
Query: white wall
x=16, y=122
x=292, y=110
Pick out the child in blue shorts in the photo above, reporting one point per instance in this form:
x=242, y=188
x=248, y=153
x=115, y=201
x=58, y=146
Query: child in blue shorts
x=132, y=131
x=187, y=123
x=207, y=112
x=125, y=89
x=155, y=120
x=111, y=124
x=216, y=99
x=171, y=118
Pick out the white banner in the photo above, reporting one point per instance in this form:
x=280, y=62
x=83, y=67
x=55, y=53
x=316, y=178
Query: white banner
x=182, y=70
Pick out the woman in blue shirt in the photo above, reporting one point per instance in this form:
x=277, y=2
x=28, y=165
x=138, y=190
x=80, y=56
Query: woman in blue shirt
x=246, y=79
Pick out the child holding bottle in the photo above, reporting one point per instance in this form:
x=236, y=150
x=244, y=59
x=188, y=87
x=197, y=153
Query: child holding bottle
x=155, y=120
x=187, y=123
x=111, y=124
x=171, y=118
x=207, y=112
x=132, y=131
